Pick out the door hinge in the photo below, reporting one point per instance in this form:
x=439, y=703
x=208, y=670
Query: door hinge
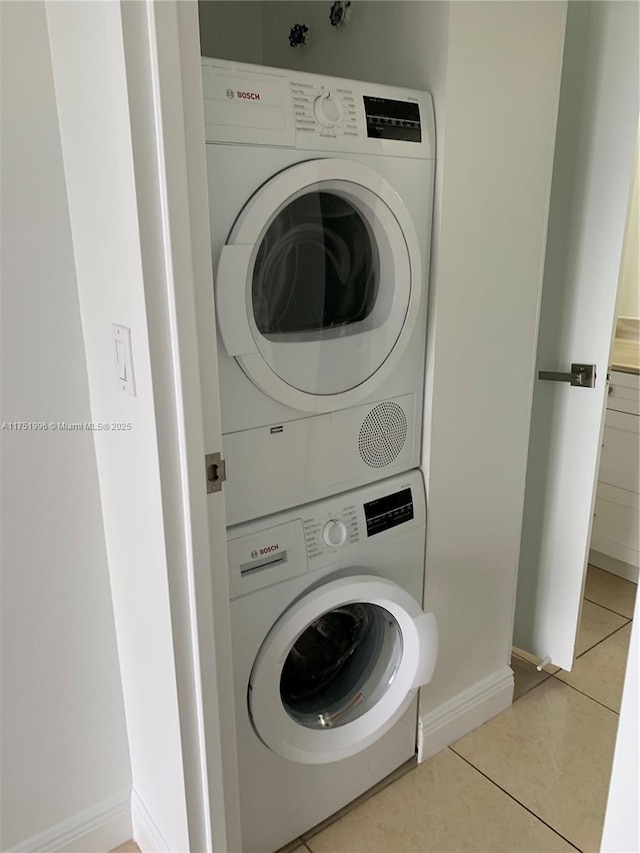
x=216, y=472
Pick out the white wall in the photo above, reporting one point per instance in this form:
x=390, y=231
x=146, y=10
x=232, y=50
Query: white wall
x=93, y=106
x=503, y=79
x=231, y=29
x=64, y=744
x=397, y=43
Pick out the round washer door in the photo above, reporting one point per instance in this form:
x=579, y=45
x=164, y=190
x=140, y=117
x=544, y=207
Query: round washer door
x=339, y=668
x=318, y=286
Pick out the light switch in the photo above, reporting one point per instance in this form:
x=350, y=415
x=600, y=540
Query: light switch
x=120, y=358
x=124, y=359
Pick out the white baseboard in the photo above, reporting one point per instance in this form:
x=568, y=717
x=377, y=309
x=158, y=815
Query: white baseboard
x=94, y=830
x=146, y=832
x=464, y=712
x=614, y=566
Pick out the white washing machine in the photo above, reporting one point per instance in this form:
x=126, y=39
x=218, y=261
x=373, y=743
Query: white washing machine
x=321, y=194
x=330, y=646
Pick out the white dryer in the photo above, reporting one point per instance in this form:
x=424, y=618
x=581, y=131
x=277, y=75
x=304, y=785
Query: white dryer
x=321, y=195
x=330, y=646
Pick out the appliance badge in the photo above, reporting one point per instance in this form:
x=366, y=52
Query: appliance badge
x=260, y=552
x=230, y=94
x=248, y=96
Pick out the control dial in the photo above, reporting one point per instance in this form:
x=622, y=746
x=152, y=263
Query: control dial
x=334, y=533
x=327, y=110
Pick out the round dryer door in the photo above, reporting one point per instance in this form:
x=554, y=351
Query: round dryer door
x=339, y=668
x=317, y=289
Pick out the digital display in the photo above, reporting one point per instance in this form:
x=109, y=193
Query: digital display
x=387, y=119
x=389, y=511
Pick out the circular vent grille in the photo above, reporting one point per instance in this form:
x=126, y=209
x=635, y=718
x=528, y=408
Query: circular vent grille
x=382, y=434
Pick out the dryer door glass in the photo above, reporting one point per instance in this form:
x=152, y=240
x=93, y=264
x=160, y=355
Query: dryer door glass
x=317, y=268
x=330, y=286
x=341, y=666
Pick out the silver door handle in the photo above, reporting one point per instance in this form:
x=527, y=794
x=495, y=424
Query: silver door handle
x=581, y=376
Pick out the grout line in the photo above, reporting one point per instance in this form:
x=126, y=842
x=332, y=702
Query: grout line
x=306, y=846
x=619, y=628
x=515, y=799
x=566, y=683
x=602, y=705
x=604, y=607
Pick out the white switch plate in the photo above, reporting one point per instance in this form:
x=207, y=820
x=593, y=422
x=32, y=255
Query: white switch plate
x=123, y=356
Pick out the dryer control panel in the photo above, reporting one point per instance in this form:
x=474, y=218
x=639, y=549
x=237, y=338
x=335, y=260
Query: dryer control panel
x=318, y=109
x=253, y=105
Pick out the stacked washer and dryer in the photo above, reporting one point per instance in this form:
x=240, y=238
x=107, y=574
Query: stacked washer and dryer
x=321, y=194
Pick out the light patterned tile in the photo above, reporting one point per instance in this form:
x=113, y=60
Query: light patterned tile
x=443, y=805
x=596, y=623
x=552, y=750
x=610, y=591
x=600, y=672
x=525, y=676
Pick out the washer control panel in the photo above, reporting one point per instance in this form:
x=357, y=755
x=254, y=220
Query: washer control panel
x=333, y=526
x=335, y=533
x=388, y=511
x=328, y=109
x=329, y=532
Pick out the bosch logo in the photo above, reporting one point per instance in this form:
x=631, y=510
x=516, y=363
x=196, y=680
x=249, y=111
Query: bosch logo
x=254, y=554
x=269, y=549
x=230, y=94
x=249, y=96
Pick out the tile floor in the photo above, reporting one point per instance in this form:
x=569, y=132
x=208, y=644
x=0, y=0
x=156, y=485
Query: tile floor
x=533, y=779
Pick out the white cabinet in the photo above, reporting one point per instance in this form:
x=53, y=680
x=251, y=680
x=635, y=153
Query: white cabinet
x=615, y=537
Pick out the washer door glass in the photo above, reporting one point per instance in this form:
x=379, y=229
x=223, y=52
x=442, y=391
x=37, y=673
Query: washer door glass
x=339, y=668
x=341, y=665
